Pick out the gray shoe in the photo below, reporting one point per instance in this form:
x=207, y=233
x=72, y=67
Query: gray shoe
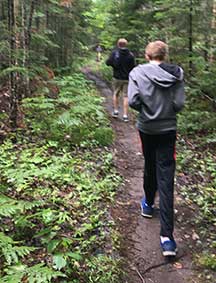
x=125, y=118
x=115, y=114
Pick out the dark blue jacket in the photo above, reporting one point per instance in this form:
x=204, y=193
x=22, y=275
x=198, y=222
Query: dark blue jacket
x=122, y=61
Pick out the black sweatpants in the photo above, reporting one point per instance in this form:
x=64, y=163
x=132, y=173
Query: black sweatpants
x=159, y=171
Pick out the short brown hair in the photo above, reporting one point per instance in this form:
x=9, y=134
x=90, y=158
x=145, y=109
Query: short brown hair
x=122, y=42
x=156, y=50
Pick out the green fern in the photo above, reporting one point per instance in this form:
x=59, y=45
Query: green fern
x=39, y=103
x=11, y=251
x=34, y=274
x=65, y=100
x=16, y=69
x=68, y=121
x=10, y=207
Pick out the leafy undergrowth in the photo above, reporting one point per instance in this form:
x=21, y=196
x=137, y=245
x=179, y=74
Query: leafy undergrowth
x=75, y=117
x=196, y=177
x=57, y=183
x=100, y=67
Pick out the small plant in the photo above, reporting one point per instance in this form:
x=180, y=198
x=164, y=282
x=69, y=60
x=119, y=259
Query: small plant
x=36, y=274
x=11, y=251
x=103, y=269
x=208, y=261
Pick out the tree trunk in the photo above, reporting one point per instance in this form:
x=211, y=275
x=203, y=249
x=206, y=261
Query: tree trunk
x=213, y=27
x=2, y=17
x=26, y=40
x=12, y=63
x=25, y=78
x=190, y=36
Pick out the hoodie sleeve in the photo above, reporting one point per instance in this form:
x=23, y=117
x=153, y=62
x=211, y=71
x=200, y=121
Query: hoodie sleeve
x=132, y=63
x=113, y=59
x=133, y=93
x=179, y=96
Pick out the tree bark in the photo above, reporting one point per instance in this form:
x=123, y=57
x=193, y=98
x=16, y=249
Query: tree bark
x=2, y=17
x=12, y=63
x=213, y=28
x=190, y=36
x=27, y=26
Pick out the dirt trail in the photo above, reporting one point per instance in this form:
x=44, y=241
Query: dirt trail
x=140, y=237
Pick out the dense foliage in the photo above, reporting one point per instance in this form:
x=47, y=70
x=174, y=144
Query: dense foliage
x=57, y=183
x=55, y=168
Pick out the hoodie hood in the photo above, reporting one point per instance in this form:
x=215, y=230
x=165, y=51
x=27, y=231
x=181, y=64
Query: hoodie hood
x=123, y=50
x=172, y=69
x=163, y=75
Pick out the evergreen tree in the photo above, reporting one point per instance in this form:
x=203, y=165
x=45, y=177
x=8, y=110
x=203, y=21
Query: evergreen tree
x=36, y=34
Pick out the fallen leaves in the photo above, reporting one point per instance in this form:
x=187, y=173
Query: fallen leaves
x=177, y=265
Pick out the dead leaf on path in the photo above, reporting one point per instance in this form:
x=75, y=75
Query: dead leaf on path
x=123, y=203
x=187, y=236
x=177, y=265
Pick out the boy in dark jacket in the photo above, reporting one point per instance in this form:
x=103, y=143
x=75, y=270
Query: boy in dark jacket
x=156, y=91
x=122, y=61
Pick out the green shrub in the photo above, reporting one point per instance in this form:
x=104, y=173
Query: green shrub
x=77, y=115
x=196, y=120
x=103, y=269
x=103, y=135
x=208, y=261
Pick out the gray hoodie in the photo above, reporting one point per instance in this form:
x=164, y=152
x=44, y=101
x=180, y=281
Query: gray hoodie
x=158, y=94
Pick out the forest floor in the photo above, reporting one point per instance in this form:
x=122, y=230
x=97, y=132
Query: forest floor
x=140, y=246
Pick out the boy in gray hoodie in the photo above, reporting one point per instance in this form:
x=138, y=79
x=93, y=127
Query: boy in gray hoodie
x=156, y=91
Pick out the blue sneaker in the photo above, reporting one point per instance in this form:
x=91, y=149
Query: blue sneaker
x=146, y=210
x=169, y=248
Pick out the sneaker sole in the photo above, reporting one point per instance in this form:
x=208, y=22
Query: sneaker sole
x=170, y=253
x=144, y=214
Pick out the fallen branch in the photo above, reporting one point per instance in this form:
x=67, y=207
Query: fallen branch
x=140, y=276
x=160, y=264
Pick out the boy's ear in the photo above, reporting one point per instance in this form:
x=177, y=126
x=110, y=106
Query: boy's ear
x=147, y=57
